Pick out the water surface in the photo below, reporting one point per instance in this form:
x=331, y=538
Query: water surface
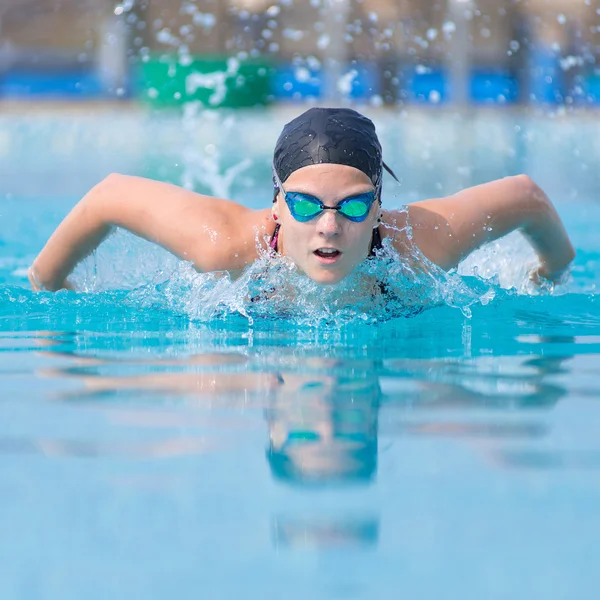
x=148, y=450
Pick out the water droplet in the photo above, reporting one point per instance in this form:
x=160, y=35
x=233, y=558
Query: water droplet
x=293, y=34
x=449, y=27
x=432, y=33
x=434, y=97
x=376, y=100
x=323, y=41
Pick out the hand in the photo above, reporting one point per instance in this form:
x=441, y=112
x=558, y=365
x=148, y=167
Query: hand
x=37, y=286
x=543, y=280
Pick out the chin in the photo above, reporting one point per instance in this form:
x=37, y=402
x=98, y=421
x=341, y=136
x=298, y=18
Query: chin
x=324, y=277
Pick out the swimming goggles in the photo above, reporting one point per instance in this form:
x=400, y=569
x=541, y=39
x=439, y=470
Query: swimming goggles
x=305, y=207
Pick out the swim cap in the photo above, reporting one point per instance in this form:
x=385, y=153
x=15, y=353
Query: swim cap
x=329, y=135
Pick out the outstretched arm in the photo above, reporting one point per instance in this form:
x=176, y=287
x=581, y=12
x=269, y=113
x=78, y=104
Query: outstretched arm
x=448, y=229
x=215, y=234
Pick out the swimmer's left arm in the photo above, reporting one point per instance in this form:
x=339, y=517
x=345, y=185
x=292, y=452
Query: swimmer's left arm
x=448, y=229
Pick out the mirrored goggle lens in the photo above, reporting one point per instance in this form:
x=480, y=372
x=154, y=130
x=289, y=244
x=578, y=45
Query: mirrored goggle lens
x=303, y=207
x=357, y=208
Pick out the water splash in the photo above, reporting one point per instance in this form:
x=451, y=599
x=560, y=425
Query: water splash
x=384, y=287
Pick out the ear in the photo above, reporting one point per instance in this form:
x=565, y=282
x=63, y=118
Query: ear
x=275, y=211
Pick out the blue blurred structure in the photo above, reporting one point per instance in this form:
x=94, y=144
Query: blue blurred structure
x=423, y=85
x=498, y=87
x=546, y=78
x=417, y=85
x=387, y=52
x=74, y=84
x=360, y=81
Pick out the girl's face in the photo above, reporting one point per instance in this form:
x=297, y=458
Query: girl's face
x=330, y=246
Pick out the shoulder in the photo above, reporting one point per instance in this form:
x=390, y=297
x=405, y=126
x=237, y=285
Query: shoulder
x=233, y=237
x=213, y=233
x=404, y=228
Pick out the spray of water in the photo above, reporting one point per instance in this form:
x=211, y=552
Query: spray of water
x=384, y=287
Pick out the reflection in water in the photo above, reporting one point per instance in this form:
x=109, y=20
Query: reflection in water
x=488, y=430
x=514, y=382
x=322, y=414
x=325, y=433
x=166, y=448
x=548, y=459
x=325, y=531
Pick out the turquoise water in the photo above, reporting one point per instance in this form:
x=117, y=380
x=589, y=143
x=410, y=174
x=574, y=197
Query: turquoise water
x=159, y=435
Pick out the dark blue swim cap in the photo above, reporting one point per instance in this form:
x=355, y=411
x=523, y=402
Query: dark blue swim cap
x=329, y=135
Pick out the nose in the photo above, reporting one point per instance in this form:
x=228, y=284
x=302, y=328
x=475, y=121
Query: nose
x=328, y=223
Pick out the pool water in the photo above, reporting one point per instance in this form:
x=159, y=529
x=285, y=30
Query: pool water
x=157, y=438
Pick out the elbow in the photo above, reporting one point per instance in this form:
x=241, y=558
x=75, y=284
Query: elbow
x=528, y=187
x=530, y=191
x=97, y=205
x=111, y=181
x=534, y=204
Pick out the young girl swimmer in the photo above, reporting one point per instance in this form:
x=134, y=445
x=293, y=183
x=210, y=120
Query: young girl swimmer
x=326, y=217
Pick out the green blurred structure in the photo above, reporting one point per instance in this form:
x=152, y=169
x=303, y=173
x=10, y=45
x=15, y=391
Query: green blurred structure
x=216, y=82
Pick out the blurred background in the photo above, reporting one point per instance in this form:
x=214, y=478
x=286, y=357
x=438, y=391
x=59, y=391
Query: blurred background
x=241, y=53
x=195, y=92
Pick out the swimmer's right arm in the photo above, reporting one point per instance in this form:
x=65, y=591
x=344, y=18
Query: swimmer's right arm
x=214, y=234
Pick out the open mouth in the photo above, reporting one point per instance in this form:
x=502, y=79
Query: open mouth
x=327, y=254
